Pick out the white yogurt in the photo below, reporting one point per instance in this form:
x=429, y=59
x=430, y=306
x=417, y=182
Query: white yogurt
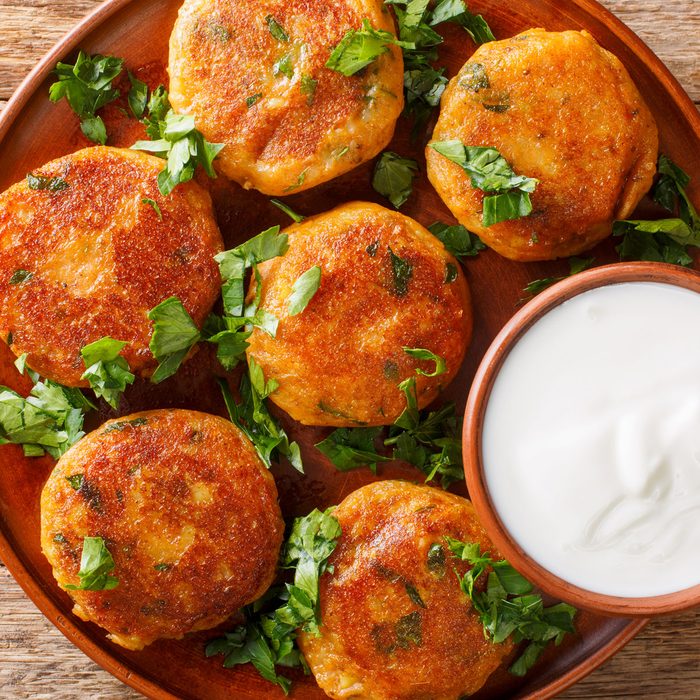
x=591, y=440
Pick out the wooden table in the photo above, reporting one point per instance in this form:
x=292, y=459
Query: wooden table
x=36, y=661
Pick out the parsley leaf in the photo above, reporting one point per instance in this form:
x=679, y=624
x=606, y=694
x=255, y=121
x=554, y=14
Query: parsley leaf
x=576, y=265
x=268, y=639
x=350, y=448
x=96, y=565
x=154, y=205
x=308, y=87
x=20, y=276
x=106, y=370
x=174, y=335
x=402, y=271
x=359, y=48
x=41, y=182
x=253, y=418
x=393, y=177
x=276, y=29
x=87, y=86
x=50, y=419
x=179, y=143
x=670, y=192
x=138, y=96
x=508, y=607
x=304, y=290
x=459, y=241
x=422, y=354
x=508, y=194
x=297, y=218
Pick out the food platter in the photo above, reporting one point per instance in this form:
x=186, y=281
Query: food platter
x=33, y=131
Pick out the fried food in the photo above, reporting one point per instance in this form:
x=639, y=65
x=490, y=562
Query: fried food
x=561, y=109
x=394, y=622
x=253, y=74
x=88, y=246
x=185, y=507
x=386, y=284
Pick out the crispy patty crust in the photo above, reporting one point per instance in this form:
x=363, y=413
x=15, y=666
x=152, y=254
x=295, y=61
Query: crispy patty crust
x=185, y=507
x=88, y=256
x=395, y=624
x=563, y=110
x=386, y=283
x=253, y=74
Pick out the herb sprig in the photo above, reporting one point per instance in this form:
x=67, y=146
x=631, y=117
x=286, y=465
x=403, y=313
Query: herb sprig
x=576, y=265
x=508, y=607
x=393, y=177
x=96, y=567
x=106, y=370
x=507, y=194
x=268, y=639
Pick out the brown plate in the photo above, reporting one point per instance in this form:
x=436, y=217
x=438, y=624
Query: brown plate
x=32, y=131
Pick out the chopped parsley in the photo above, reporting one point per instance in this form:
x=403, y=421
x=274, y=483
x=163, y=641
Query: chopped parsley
x=459, y=241
x=50, y=184
x=284, y=66
x=297, y=218
x=507, y=194
x=106, y=370
x=154, y=205
x=174, y=335
x=49, y=420
x=402, y=272
x=138, y=96
x=87, y=86
x=304, y=290
x=308, y=87
x=276, y=29
x=664, y=240
x=96, y=566
x=268, y=639
x=576, y=265
x=508, y=607
x=121, y=425
x=359, y=48
x=76, y=481
x=253, y=99
x=253, y=418
x=422, y=354
x=176, y=140
x=393, y=177
x=350, y=448
x=20, y=276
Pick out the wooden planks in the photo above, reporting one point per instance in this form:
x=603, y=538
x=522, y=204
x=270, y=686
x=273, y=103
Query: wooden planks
x=36, y=661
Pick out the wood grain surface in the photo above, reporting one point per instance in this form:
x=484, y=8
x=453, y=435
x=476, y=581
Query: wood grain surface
x=36, y=661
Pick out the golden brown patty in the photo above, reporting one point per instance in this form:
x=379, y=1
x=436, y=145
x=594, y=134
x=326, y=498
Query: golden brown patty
x=90, y=260
x=563, y=110
x=288, y=122
x=185, y=507
x=386, y=283
x=395, y=626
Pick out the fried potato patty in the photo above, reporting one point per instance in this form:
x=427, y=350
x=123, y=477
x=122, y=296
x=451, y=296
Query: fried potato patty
x=563, y=110
x=394, y=622
x=185, y=507
x=386, y=284
x=87, y=256
x=253, y=74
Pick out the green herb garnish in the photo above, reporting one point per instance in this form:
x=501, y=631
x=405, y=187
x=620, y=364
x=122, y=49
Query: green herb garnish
x=174, y=335
x=359, y=48
x=508, y=194
x=87, y=86
x=253, y=99
x=393, y=177
x=423, y=354
x=20, y=276
x=138, y=96
x=276, y=29
x=459, y=241
x=297, y=218
x=96, y=565
x=50, y=184
x=350, y=448
x=267, y=639
x=76, y=481
x=154, y=205
x=402, y=271
x=508, y=607
x=576, y=265
x=308, y=87
x=178, y=142
x=106, y=370
x=304, y=290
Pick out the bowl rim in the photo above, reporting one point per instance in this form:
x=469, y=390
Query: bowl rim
x=495, y=356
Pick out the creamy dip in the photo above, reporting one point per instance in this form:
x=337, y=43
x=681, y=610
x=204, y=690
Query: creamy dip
x=591, y=440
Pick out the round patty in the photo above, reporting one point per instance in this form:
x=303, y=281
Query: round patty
x=186, y=509
x=85, y=256
x=394, y=622
x=253, y=74
x=386, y=283
x=561, y=109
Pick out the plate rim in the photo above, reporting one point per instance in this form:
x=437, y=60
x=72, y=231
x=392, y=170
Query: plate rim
x=69, y=626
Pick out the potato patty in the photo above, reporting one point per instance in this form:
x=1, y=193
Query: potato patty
x=185, y=507
x=563, y=110
x=394, y=622
x=253, y=74
x=86, y=256
x=386, y=283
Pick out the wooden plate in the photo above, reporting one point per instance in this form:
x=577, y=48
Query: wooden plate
x=32, y=131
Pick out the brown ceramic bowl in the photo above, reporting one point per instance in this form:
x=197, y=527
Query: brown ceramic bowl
x=472, y=439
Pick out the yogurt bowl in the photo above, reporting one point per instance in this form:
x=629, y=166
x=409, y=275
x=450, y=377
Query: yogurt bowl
x=582, y=439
